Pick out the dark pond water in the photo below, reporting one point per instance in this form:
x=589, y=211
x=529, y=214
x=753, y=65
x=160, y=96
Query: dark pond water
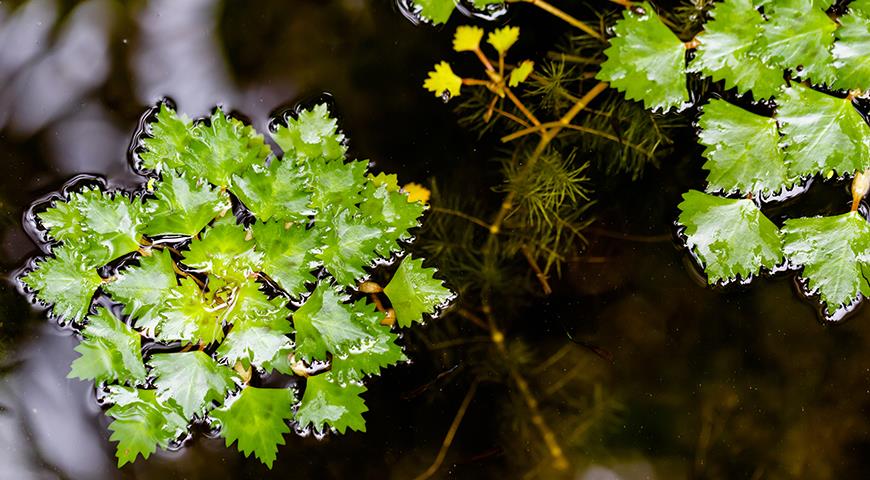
x=703, y=383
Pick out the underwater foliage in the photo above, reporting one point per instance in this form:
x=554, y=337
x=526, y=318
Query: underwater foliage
x=230, y=264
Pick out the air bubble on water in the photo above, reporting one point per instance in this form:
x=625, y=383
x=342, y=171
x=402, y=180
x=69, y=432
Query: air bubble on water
x=445, y=96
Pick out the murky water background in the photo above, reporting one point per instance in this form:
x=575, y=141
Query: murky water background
x=705, y=383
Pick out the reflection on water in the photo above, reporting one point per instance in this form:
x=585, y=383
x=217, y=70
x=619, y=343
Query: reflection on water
x=702, y=383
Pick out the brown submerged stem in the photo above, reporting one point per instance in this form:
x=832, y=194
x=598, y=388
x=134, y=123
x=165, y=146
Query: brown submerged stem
x=564, y=16
x=451, y=433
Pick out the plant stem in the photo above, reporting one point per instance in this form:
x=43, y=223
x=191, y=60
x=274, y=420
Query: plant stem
x=451, y=433
x=564, y=16
x=542, y=277
x=463, y=215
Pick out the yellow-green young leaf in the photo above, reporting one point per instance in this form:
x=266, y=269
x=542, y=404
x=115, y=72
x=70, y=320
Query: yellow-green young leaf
x=66, y=282
x=144, y=289
x=799, y=36
x=193, y=380
x=521, y=73
x=325, y=323
x=414, y=291
x=646, y=61
x=312, y=134
x=327, y=402
x=852, y=49
x=110, y=351
x=467, y=38
x=743, y=152
x=502, y=39
x=141, y=422
x=393, y=213
x=257, y=419
x=390, y=181
x=835, y=255
x=727, y=50
x=442, y=79
x=731, y=238
x=822, y=134
x=183, y=206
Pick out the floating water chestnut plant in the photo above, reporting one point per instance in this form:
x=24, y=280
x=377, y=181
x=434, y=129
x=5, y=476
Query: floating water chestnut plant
x=231, y=264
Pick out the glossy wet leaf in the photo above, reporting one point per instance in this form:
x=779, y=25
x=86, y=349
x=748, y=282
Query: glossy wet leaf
x=325, y=323
x=727, y=50
x=834, y=253
x=646, y=61
x=193, y=380
x=851, y=50
x=328, y=402
x=394, y=213
x=338, y=184
x=190, y=316
x=350, y=241
x=169, y=141
x=183, y=206
x=799, y=36
x=277, y=191
x=288, y=254
x=370, y=355
x=822, y=134
x=413, y=291
x=142, y=422
x=730, y=237
x=259, y=328
x=67, y=282
x=257, y=420
x=143, y=289
x=110, y=351
x=224, y=250
x=743, y=153
x=224, y=146
x=312, y=134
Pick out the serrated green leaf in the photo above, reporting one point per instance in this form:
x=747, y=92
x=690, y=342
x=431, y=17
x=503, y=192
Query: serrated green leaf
x=184, y=206
x=338, y=184
x=726, y=50
x=743, y=153
x=191, y=379
x=288, y=254
x=799, y=36
x=324, y=323
x=224, y=251
x=278, y=191
x=257, y=419
x=370, y=355
x=834, y=253
x=393, y=212
x=259, y=328
x=190, y=316
x=328, y=402
x=414, y=291
x=350, y=241
x=142, y=423
x=646, y=61
x=143, y=290
x=851, y=50
x=312, y=134
x=224, y=147
x=67, y=282
x=436, y=11
x=822, y=133
x=730, y=237
x=110, y=351
x=64, y=219
x=169, y=141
